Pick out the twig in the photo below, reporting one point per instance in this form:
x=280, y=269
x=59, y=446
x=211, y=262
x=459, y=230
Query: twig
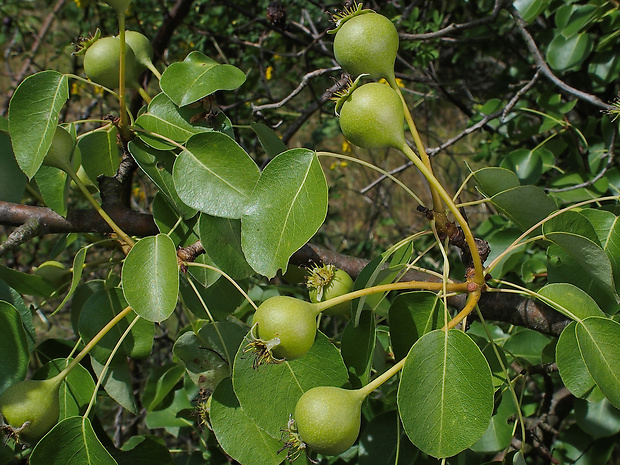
x=544, y=67
x=31, y=228
x=499, y=4
x=297, y=90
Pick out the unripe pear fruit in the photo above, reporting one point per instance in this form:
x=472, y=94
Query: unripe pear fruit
x=102, y=61
x=61, y=151
x=372, y=116
x=31, y=407
x=328, y=418
x=291, y=321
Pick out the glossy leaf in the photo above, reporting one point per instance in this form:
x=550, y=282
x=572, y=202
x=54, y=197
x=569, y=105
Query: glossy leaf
x=221, y=239
x=117, y=382
x=160, y=383
x=157, y=164
x=12, y=297
x=71, y=442
x=54, y=185
x=166, y=119
x=607, y=227
x=598, y=340
x=570, y=301
x=216, y=302
x=100, y=154
x=574, y=233
x=183, y=232
x=500, y=431
x=357, y=348
x=144, y=450
x=151, y=278
x=530, y=9
x=269, y=394
x=527, y=165
x=209, y=352
x=495, y=180
x=564, y=53
x=197, y=77
x=572, y=367
x=269, y=140
x=445, y=384
x=24, y=283
x=285, y=210
x=526, y=346
x=413, y=314
x=13, y=347
x=32, y=131
x=524, y=205
x=215, y=175
x=598, y=419
x=237, y=433
x=98, y=310
x=12, y=179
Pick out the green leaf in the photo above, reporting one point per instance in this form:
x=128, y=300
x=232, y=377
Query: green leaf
x=607, y=227
x=75, y=391
x=574, y=233
x=357, y=348
x=12, y=297
x=495, y=180
x=524, y=205
x=445, y=384
x=221, y=239
x=160, y=383
x=526, y=345
x=117, y=382
x=54, y=186
x=527, y=165
x=598, y=341
x=598, y=419
x=269, y=395
x=499, y=434
x=220, y=299
x=572, y=367
x=271, y=142
x=286, y=209
x=141, y=450
x=13, y=347
x=197, y=77
x=530, y=9
x=71, y=442
x=151, y=278
x=24, y=283
x=413, y=314
x=33, y=116
x=100, y=155
x=238, y=435
x=98, y=310
x=12, y=179
x=209, y=352
x=570, y=301
x=77, y=268
x=167, y=120
x=215, y=175
x=565, y=53
x=157, y=165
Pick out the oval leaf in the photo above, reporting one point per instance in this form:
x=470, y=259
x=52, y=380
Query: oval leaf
x=445, y=385
x=151, y=278
x=564, y=53
x=100, y=153
x=197, y=77
x=570, y=301
x=215, y=175
x=33, y=117
x=286, y=209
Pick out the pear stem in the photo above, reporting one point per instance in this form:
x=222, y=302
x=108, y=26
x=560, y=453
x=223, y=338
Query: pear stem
x=122, y=101
x=93, y=342
x=450, y=287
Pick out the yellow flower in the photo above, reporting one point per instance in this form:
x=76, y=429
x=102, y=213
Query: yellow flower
x=346, y=146
x=138, y=194
x=400, y=82
x=338, y=164
x=269, y=73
